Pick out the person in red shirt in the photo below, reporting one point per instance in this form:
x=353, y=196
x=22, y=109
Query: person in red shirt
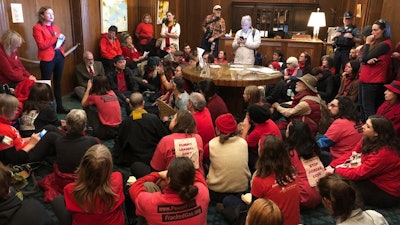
x=184, y=200
x=145, y=32
x=11, y=70
x=390, y=108
x=98, y=194
x=51, y=54
x=132, y=55
x=109, y=48
x=263, y=125
x=275, y=179
x=106, y=116
x=204, y=124
x=374, y=164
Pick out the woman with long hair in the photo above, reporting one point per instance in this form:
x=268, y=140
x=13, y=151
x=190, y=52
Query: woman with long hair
x=12, y=71
x=305, y=62
x=349, y=82
x=50, y=41
x=184, y=200
x=390, y=108
x=340, y=198
x=102, y=108
x=374, y=164
x=253, y=95
x=275, y=179
x=345, y=131
x=376, y=59
x=170, y=31
x=264, y=212
x=38, y=112
x=98, y=194
x=304, y=151
x=184, y=141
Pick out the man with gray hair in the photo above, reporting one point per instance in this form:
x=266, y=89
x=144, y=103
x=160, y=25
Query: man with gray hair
x=197, y=106
x=138, y=137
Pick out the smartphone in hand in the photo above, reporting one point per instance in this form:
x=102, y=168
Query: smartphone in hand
x=42, y=133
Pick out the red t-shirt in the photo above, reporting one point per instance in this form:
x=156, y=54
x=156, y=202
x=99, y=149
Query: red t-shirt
x=165, y=151
x=204, y=125
x=100, y=216
x=345, y=134
x=287, y=198
x=267, y=128
x=108, y=108
x=121, y=81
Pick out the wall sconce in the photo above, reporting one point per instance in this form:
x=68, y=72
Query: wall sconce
x=317, y=20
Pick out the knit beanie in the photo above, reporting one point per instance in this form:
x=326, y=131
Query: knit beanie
x=226, y=124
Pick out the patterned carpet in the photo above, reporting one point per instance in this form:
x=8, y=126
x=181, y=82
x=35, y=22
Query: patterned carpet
x=318, y=216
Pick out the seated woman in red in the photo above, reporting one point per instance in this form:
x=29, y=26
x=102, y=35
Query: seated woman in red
x=183, y=201
x=184, y=141
x=374, y=164
x=304, y=151
x=390, y=108
x=275, y=179
x=98, y=194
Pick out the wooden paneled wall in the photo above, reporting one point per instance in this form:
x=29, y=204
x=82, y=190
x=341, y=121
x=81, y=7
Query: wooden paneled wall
x=80, y=21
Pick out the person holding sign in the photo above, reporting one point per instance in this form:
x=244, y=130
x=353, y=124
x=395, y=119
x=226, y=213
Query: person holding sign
x=51, y=54
x=303, y=151
x=183, y=142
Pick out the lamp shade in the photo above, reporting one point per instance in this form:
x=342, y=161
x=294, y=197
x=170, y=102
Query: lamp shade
x=317, y=19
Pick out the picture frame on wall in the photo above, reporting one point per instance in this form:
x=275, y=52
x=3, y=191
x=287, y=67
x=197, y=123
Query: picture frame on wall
x=114, y=12
x=162, y=9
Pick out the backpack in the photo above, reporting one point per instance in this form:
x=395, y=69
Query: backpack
x=258, y=57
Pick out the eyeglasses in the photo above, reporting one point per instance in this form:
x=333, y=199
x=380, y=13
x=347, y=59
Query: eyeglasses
x=332, y=105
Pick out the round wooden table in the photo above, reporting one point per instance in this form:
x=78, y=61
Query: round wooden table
x=232, y=79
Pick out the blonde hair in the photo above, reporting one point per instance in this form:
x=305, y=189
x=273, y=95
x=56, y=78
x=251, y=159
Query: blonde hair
x=145, y=15
x=9, y=40
x=254, y=94
x=8, y=105
x=264, y=212
x=93, y=182
x=292, y=60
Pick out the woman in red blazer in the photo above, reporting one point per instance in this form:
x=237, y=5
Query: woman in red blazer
x=50, y=51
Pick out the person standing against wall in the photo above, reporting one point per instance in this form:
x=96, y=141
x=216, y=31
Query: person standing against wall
x=345, y=38
x=170, y=32
x=50, y=43
x=213, y=28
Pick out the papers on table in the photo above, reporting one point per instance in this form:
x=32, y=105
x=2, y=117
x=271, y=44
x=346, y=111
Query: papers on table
x=200, y=52
x=215, y=66
x=263, y=70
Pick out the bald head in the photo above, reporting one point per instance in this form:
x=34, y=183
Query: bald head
x=136, y=100
x=88, y=58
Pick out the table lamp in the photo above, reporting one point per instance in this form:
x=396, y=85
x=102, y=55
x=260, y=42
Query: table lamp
x=317, y=20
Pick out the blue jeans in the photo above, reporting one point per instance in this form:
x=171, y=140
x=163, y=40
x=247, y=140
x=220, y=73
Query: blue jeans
x=370, y=97
x=55, y=67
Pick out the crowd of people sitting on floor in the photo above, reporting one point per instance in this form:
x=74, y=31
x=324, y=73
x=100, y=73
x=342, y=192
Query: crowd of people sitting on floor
x=303, y=142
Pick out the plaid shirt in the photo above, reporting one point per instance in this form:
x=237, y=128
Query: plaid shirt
x=217, y=27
